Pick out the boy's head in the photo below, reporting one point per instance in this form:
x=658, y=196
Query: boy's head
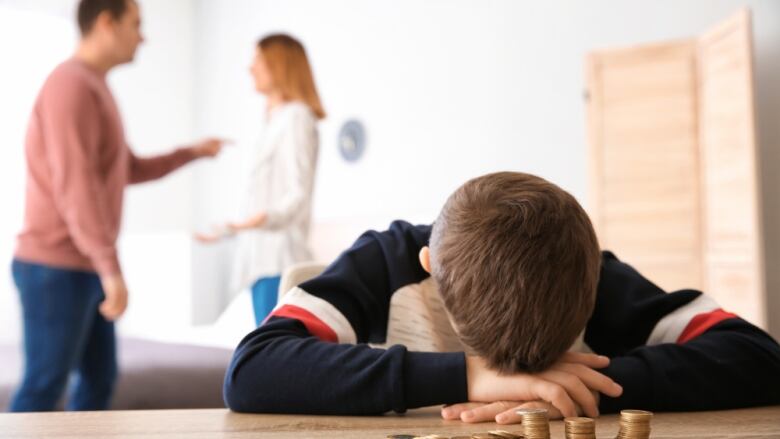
x=517, y=262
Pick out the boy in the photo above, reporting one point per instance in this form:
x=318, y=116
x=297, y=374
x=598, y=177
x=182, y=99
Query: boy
x=483, y=306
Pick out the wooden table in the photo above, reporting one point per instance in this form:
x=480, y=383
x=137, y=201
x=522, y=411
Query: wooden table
x=750, y=423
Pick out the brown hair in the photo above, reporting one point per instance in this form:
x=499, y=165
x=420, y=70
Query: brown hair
x=517, y=262
x=290, y=70
x=89, y=10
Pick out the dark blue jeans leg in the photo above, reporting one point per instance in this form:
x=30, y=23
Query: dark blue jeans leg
x=58, y=312
x=96, y=373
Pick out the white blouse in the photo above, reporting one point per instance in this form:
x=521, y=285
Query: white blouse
x=281, y=183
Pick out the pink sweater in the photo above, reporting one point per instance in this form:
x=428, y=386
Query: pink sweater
x=78, y=165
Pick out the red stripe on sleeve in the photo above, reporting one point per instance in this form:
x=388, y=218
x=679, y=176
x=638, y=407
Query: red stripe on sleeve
x=315, y=326
x=700, y=323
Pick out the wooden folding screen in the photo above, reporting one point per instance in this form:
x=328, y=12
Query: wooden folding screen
x=673, y=171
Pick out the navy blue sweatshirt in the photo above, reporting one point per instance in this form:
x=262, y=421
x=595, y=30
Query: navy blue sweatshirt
x=370, y=335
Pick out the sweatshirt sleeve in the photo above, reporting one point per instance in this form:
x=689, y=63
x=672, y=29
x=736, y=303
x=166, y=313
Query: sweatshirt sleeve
x=298, y=149
x=70, y=123
x=311, y=356
x=143, y=169
x=678, y=351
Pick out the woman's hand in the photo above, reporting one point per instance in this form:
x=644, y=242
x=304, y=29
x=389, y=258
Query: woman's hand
x=253, y=222
x=206, y=238
x=217, y=233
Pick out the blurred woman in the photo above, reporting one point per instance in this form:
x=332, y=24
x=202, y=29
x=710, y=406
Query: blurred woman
x=274, y=233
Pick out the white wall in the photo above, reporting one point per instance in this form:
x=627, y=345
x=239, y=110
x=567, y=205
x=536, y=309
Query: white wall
x=155, y=94
x=449, y=89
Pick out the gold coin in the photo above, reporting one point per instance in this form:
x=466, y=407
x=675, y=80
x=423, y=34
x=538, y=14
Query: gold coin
x=504, y=434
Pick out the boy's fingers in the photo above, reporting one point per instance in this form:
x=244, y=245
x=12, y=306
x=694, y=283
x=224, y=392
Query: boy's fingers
x=485, y=413
x=452, y=412
x=591, y=360
x=556, y=395
x=576, y=389
x=593, y=379
x=510, y=416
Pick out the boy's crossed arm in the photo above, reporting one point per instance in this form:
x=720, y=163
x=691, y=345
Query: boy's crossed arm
x=576, y=374
x=282, y=368
x=570, y=387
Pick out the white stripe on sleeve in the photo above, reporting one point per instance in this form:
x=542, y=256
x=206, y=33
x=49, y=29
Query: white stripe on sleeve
x=324, y=311
x=669, y=328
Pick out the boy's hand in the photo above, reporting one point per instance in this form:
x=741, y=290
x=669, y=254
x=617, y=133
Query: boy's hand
x=568, y=383
x=502, y=412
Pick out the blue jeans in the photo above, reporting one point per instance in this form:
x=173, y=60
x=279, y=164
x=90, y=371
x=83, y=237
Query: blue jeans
x=63, y=333
x=264, y=294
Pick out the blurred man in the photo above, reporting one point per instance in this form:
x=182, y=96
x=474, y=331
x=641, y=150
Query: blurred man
x=78, y=164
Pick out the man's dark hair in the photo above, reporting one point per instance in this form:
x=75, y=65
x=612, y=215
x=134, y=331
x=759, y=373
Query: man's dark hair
x=90, y=9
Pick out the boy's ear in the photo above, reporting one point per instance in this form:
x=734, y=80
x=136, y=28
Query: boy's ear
x=425, y=259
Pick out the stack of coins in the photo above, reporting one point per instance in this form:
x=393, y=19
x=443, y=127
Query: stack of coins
x=536, y=425
x=580, y=428
x=634, y=424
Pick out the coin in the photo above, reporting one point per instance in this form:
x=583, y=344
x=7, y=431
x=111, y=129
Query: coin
x=579, y=428
x=635, y=424
x=536, y=424
x=504, y=434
